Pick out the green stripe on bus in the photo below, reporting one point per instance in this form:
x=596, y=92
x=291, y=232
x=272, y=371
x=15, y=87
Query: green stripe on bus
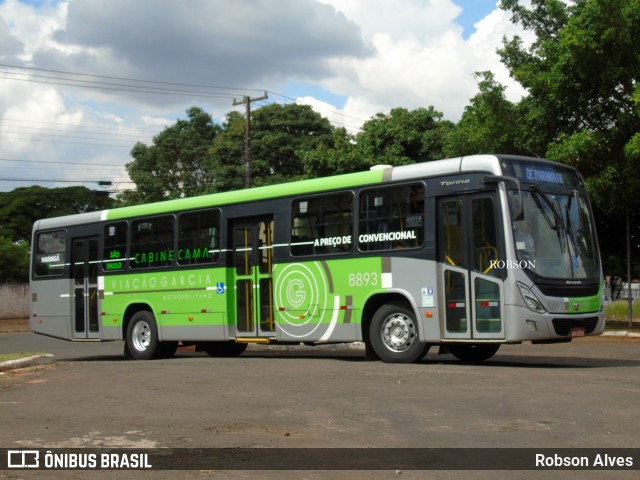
x=253, y=194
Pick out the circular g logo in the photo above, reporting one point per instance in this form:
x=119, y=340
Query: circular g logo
x=295, y=293
x=301, y=294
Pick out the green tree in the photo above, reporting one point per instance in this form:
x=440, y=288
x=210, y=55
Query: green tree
x=177, y=164
x=335, y=157
x=280, y=134
x=227, y=153
x=489, y=124
x=582, y=73
x=23, y=206
x=399, y=138
x=14, y=261
x=402, y=137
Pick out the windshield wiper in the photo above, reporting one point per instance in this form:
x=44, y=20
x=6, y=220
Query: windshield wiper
x=556, y=214
x=559, y=226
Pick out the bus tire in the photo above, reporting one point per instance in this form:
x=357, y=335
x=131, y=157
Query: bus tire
x=473, y=352
x=394, y=334
x=224, y=349
x=142, y=336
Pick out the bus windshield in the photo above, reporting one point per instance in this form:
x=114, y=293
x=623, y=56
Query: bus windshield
x=556, y=237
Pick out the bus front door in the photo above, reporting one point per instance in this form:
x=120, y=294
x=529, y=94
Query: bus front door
x=85, y=316
x=470, y=247
x=252, y=244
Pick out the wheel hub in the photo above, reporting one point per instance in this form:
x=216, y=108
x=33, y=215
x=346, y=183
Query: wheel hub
x=398, y=333
x=141, y=336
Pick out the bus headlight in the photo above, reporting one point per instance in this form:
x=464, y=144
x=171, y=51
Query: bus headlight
x=530, y=299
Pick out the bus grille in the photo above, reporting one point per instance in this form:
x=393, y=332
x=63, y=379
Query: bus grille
x=564, y=325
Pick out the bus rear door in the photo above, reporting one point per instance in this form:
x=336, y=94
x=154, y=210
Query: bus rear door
x=85, y=319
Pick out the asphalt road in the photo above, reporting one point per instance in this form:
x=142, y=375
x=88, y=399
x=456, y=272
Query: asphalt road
x=583, y=394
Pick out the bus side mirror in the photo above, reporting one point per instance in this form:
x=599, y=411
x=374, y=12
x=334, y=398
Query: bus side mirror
x=515, y=207
x=515, y=200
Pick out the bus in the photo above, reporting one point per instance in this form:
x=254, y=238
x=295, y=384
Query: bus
x=465, y=253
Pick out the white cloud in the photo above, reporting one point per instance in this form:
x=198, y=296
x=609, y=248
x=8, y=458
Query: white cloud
x=26, y=106
x=421, y=58
x=376, y=54
x=33, y=26
x=419, y=19
x=488, y=38
x=157, y=121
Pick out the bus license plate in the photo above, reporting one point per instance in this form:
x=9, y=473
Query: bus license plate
x=577, y=332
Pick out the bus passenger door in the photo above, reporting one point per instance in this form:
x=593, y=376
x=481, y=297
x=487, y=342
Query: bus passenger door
x=470, y=246
x=85, y=316
x=252, y=245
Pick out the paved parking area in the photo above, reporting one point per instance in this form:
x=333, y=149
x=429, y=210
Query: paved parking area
x=583, y=394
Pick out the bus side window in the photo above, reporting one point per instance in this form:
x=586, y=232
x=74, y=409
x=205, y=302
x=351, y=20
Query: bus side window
x=391, y=218
x=114, y=254
x=322, y=225
x=199, y=238
x=152, y=242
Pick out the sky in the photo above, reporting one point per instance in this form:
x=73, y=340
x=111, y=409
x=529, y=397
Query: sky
x=81, y=81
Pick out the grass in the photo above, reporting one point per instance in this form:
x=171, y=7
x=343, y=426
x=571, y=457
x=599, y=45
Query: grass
x=617, y=315
x=5, y=357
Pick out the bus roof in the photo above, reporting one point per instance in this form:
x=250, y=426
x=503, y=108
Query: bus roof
x=377, y=175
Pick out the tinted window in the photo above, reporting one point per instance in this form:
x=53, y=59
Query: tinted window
x=199, y=238
x=322, y=225
x=391, y=218
x=114, y=254
x=152, y=242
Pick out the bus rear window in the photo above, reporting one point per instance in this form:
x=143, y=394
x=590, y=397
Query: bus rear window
x=50, y=254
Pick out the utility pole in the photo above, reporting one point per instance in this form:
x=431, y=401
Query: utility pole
x=629, y=299
x=247, y=135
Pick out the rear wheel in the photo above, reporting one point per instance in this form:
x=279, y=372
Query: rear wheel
x=394, y=334
x=142, y=336
x=473, y=352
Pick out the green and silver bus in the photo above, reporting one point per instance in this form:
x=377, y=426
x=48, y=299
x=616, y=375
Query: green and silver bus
x=466, y=253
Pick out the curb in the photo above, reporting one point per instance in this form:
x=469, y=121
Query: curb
x=621, y=333
x=44, y=359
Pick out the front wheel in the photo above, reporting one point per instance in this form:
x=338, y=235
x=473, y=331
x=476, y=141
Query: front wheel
x=394, y=335
x=473, y=352
x=142, y=336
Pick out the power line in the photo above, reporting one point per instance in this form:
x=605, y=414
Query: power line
x=62, y=163
x=75, y=125
x=48, y=180
x=29, y=131
x=132, y=79
x=67, y=142
x=207, y=91
x=17, y=194
x=58, y=135
x=332, y=110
